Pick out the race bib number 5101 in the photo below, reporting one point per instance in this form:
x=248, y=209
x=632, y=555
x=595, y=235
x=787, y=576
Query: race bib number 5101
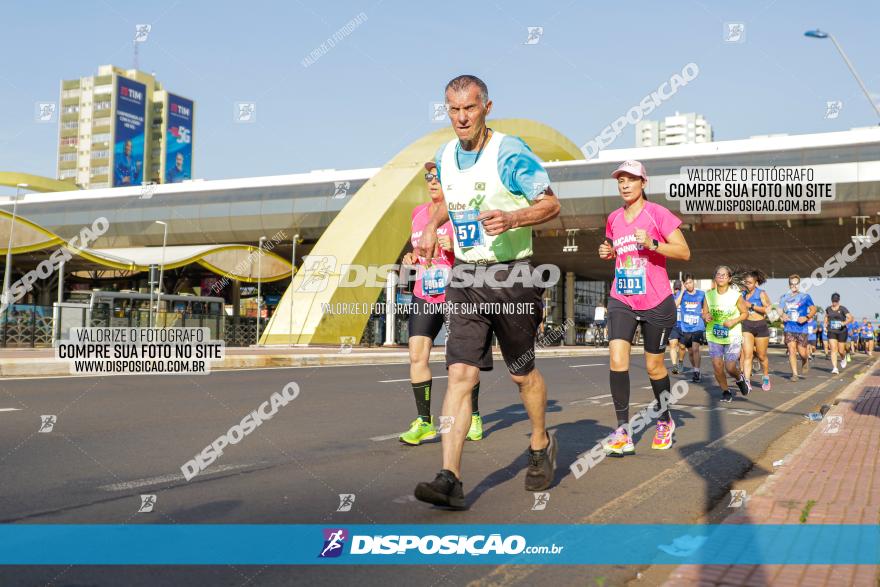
x=631, y=282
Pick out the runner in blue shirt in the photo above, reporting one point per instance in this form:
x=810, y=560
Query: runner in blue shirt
x=852, y=339
x=798, y=309
x=693, y=328
x=756, y=332
x=675, y=333
x=868, y=336
x=812, y=325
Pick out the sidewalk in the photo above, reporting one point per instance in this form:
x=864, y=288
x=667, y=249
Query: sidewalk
x=42, y=362
x=838, y=470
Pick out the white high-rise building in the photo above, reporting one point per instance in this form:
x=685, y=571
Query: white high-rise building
x=122, y=128
x=678, y=129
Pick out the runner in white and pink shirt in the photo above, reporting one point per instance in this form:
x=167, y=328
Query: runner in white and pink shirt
x=641, y=235
x=427, y=315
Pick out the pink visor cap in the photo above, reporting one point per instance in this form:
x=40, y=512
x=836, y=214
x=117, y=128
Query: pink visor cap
x=632, y=167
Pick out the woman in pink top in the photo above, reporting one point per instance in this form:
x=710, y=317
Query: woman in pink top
x=640, y=237
x=427, y=315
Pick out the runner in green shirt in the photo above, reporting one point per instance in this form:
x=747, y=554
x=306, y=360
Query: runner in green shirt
x=723, y=310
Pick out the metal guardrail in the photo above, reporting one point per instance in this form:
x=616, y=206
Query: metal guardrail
x=31, y=326
x=26, y=326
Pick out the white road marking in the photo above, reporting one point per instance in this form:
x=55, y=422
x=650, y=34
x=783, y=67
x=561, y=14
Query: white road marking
x=588, y=365
x=589, y=399
x=407, y=379
x=386, y=437
x=128, y=485
x=214, y=371
x=230, y=370
x=595, y=401
x=10, y=409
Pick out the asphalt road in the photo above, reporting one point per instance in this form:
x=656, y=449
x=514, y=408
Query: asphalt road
x=116, y=438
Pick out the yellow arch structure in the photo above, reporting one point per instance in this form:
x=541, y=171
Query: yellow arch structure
x=36, y=183
x=372, y=229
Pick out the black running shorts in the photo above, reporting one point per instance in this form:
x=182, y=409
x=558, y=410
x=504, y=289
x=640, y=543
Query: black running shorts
x=425, y=318
x=513, y=314
x=757, y=328
x=688, y=339
x=838, y=335
x=656, y=323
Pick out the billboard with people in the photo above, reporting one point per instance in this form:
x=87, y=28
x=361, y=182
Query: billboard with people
x=129, y=132
x=178, y=139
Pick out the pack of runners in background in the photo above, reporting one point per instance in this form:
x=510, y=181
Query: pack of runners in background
x=487, y=190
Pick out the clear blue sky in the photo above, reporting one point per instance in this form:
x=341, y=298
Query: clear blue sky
x=370, y=96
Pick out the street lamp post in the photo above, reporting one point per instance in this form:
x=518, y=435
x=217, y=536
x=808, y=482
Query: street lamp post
x=817, y=34
x=7, y=274
x=290, y=291
x=259, y=286
x=161, y=267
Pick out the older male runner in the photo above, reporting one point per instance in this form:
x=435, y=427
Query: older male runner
x=495, y=189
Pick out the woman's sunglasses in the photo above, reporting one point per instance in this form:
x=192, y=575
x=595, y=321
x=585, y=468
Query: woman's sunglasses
x=432, y=177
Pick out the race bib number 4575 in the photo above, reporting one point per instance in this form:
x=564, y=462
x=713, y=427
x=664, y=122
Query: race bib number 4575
x=434, y=281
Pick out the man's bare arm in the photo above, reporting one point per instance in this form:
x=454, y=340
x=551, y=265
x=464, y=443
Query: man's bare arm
x=497, y=221
x=428, y=245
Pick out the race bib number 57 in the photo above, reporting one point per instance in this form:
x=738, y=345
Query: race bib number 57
x=468, y=230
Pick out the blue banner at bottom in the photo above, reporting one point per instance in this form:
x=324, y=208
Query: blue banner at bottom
x=478, y=544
